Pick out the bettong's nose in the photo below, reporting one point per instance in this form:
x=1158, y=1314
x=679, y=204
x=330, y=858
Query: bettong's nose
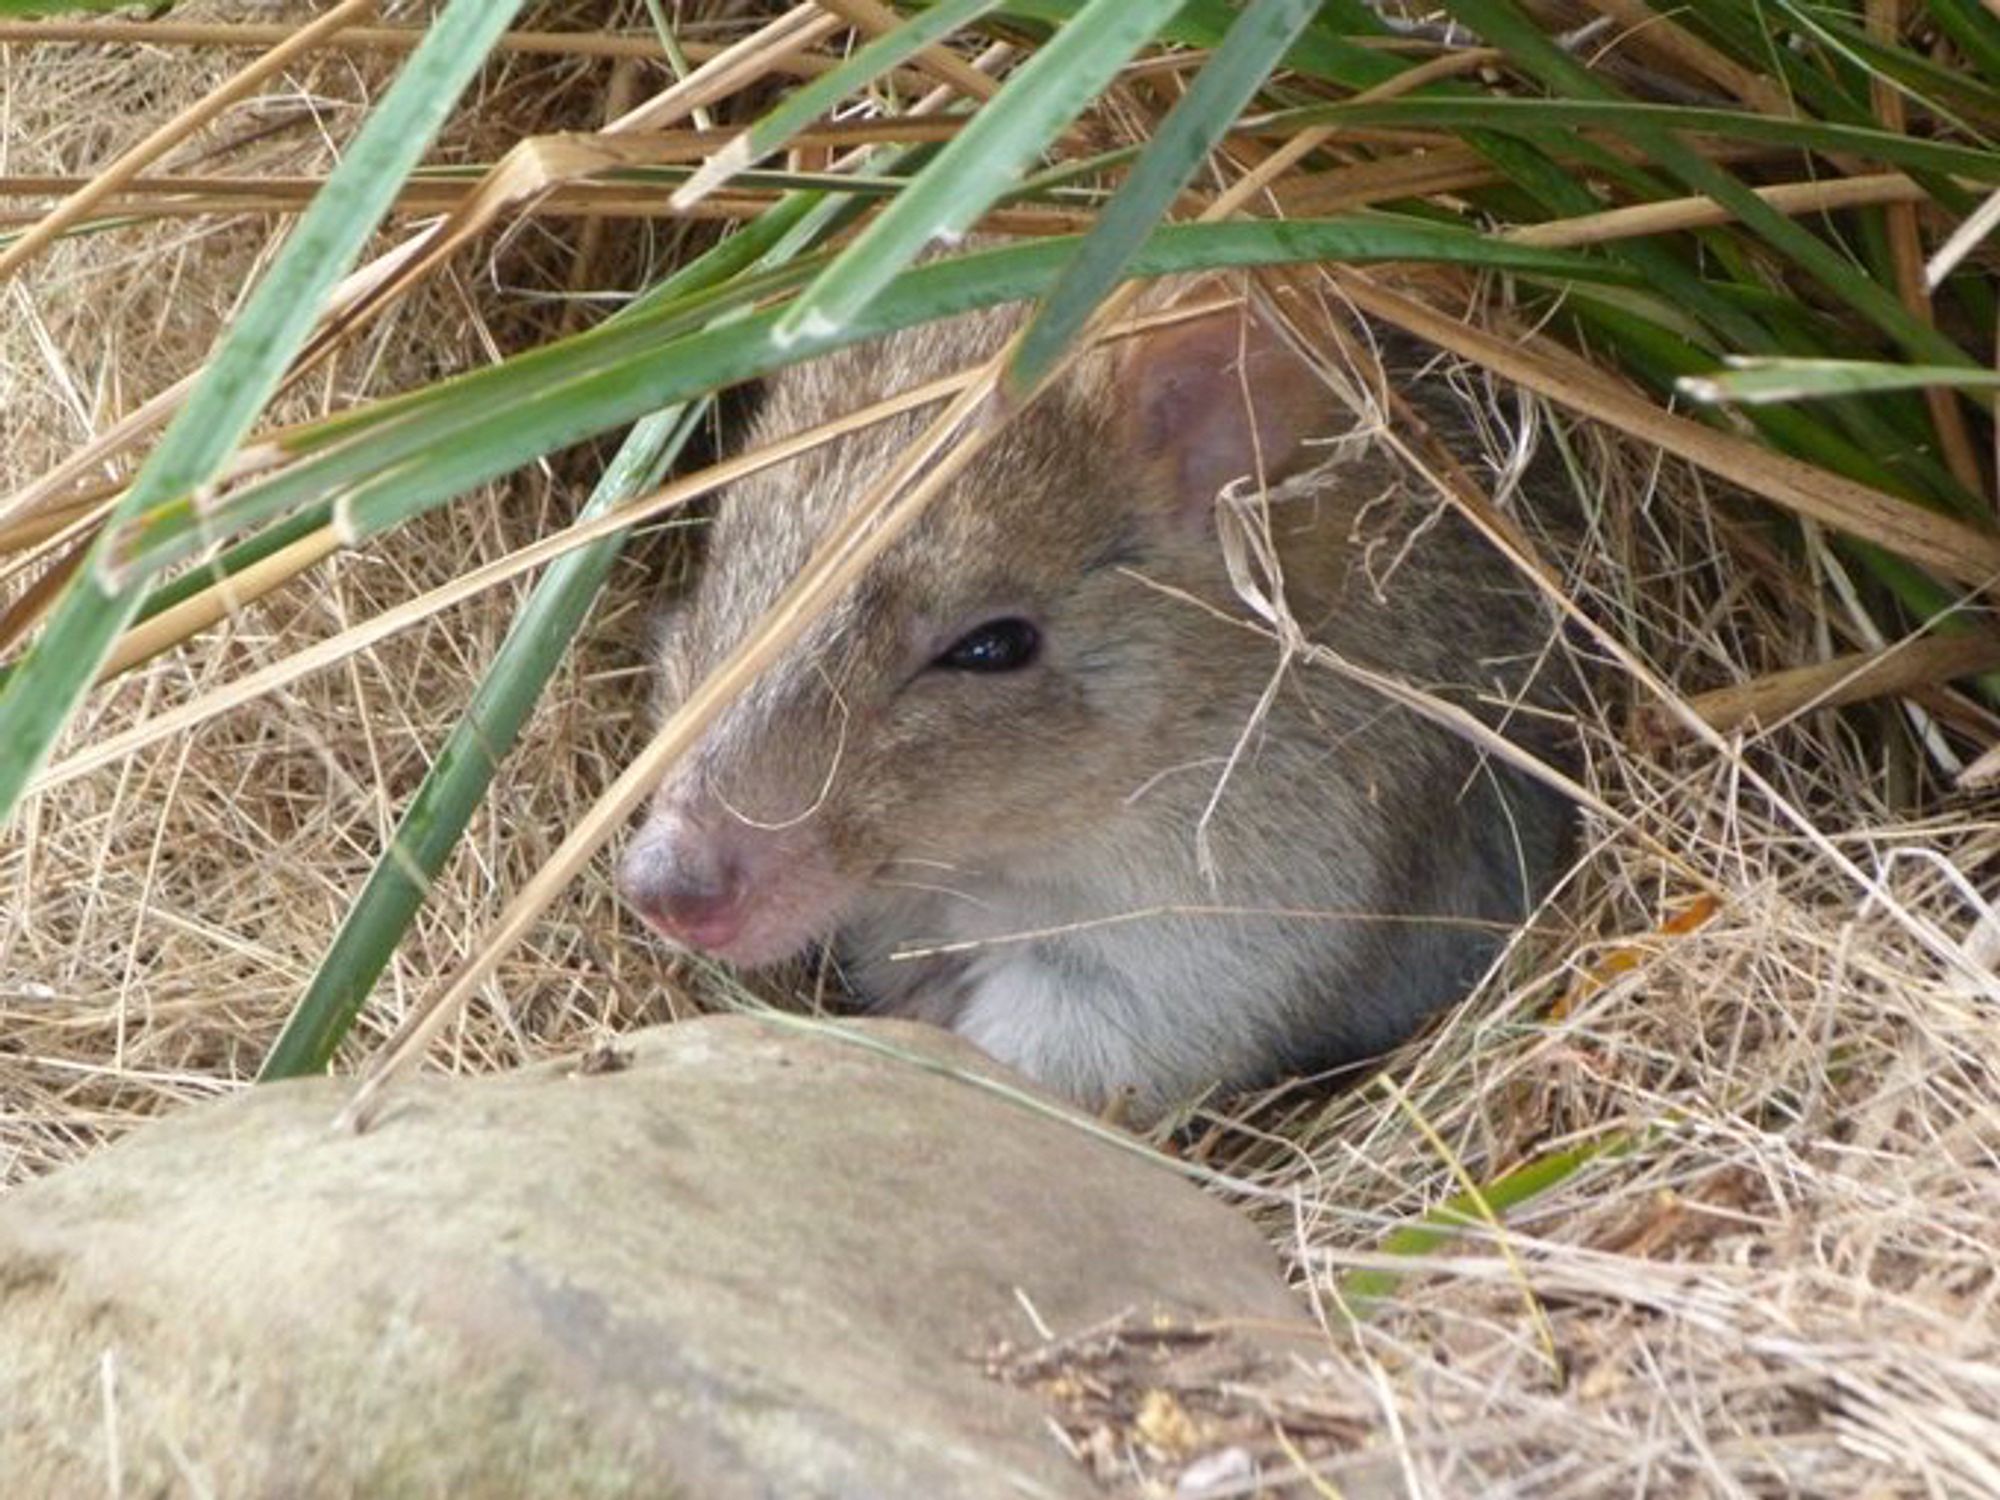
x=686, y=881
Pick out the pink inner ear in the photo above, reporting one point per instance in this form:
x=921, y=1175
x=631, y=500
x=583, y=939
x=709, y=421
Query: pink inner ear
x=1217, y=398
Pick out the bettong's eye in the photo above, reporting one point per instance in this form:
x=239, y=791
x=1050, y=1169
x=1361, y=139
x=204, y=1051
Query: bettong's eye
x=997, y=646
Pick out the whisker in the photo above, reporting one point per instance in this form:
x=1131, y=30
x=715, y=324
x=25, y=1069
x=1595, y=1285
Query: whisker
x=940, y=890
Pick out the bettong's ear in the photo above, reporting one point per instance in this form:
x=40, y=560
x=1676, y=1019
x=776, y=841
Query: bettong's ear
x=1215, y=398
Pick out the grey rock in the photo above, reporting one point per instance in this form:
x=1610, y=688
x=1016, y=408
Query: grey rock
x=752, y=1261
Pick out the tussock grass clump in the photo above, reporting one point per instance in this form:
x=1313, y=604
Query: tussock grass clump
x=1697, y=1195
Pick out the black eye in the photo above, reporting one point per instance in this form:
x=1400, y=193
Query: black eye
x=996, y=646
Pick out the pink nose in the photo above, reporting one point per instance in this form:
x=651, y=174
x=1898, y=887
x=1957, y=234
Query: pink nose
x=689, y=888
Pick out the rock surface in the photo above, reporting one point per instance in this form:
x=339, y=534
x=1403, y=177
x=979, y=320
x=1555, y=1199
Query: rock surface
x=751, y=1261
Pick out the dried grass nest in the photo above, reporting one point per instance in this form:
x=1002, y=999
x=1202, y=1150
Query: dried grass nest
x=1776, y=1275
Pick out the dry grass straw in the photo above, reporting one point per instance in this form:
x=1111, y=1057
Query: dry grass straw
x=160, y=919
x=1782, y=1284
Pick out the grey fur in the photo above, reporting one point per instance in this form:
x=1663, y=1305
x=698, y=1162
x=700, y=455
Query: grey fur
x=889, y=807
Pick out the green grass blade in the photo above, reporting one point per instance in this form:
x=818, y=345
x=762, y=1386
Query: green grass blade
x=174, y=530
x=1529, y=118
x=987, y=158
x=1361, y=1291
x=58, y=7
x=1323, y=52
x=60, y=667
x=1664, y=359
x=1927, y=85
x=1219, y=92
x=487, y=425
x=251, y=550
x=463, y=770
x=802, y=106
x=513, y=683
x=1753, y=36
x=1974, y=29
x=1535, y=161
x=1753, y=381
x=1502, y=23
